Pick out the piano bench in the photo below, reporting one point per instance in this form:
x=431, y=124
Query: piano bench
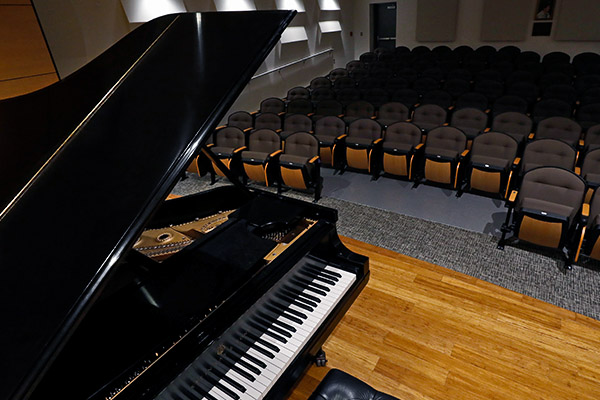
x=338, y=385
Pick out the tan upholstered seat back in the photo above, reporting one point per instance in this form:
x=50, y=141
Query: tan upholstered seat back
x=394, y=111
x=230, y=137
x=298, y=93
x=337, y=73
x=592, y=136
x=264, y=141
x=591, y=164
x=297, y=122
x=447, y=138
x=361, y=108
x=559, y=128
x=268, y=121
x=330, y=126
x=302, y=144
x=469, y=118
x=329, y=107
x=548, y=152
x=319, y=83
x=430, y=113
x=272, y=105
x=300, y=106
x=403, y=132
x=364, y=128
x=240, y=119
x=512, y=123
x=496, y=145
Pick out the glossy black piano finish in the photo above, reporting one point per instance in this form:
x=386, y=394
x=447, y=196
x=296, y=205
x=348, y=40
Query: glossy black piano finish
x=85, y=162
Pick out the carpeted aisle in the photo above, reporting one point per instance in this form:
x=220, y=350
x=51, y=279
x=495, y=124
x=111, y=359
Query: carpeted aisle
x=475, y=254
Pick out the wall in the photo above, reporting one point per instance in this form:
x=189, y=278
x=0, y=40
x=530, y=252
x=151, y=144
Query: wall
x=25, y=63
x=468, y=29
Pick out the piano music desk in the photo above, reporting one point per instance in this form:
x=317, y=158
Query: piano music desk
x=421, y=331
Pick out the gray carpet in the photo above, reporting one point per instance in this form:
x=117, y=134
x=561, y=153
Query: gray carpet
x=521, y=270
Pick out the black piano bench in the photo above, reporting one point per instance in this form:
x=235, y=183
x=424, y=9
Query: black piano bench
x=338, y=385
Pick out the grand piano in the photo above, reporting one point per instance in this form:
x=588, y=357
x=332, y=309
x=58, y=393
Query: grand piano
x=109, y=291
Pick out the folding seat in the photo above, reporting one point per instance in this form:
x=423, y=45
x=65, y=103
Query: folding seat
x=456, y=87
x=460, y=73
x=344, y=82
x=357, y=110
x=300, y=106
x=358, y=74
x=327, y=108
x=400, y=145
x=320, y=82
x=553, y=78
x=547, y=153
x=448, y=64
x=368, y=58
x=438, y=97
x=423, y=85
x=551, y=108
x=556, y=57
x=519, y=76
x=272, y=105
x=490, y=166
x=590, y=96
x=526, y=90
x=370, y=83
x=408, y=73
x=562, y=92
x=408, y=97
x=435, y=73
x=527, y=57
x=445, y=151
x=592, y=138
x=534, y=68
x=560, y=128
x=401, y=50
x=331, y=133
x=471, y=100
x=585, y=82
x=347, y=96
x=590, y=244
x=353, y=65
x=586, y=63
x=441, y=51
x=337, y=73
x=228, y=144
x=429, y=116
x=295, y=123
x=382, y=50
x=260, y=160
x=504, y=67
x=375, y=65
x=321, y=94
x=490, y=89
x=463, y=51
x=381, y=73
x=474, y=65
x=268, y=121
x=508, y=103
x=395, y=83
x=469, y=120
x=363, y=145
x=517, y=125
x=547, y=210
x=560, y=68
x=590, y=171
x=298, y=92
x=299, y=164
x=386, y=57
x=420, y=50
x=241, y=119
x=485, y=52
x=509, y=52
x=489, y=74
x=376, y=96
x=390, y=113
x=588, y=115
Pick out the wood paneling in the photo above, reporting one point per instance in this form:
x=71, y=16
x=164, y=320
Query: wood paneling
x=420, y=331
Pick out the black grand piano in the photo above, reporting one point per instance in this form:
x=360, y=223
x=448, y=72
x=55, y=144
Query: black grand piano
x=109, y=291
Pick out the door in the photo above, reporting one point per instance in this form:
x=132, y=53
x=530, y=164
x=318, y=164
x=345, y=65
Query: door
x=383, y=25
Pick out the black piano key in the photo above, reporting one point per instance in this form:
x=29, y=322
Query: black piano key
x=221, y=373
x=194, y=386
x=316, y=277
x=252, y=368
x=175, y=396
x=282, y=296
x=306, y=285
x=267, y=332
x=256, y=347
x=297, y=297
x=300, y=293
x=235, y=368
x=251, y=333
x=322, y=272
x=215, y=382
x=283, y=314
x=268, y=315
x=286, y=308
x=265, y=323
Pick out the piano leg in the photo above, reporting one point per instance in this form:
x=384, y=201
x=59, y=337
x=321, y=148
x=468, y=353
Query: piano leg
x=321, y=358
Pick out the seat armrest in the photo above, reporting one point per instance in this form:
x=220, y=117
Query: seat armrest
x=487, y=111
x=513, y=197
x=445, y=124
x=581, y=143
x=254, y=112
x=208, y=146
x=279, y=130
x=487, y=129
x=248, y=129
x=310, y=114
x=281, y=113
x=314, y=159
x=416, y=105
x=419, y=146
x=531, y=136
x=220, y=127
x=374, y=117
x=239, y=149
x=341, y=115
x=464, y=154
x=342, y=136
x=377, y=141
x=451, y=108
x=516, y=163
x=275, y=153
x=578, y=171
x=585, y=210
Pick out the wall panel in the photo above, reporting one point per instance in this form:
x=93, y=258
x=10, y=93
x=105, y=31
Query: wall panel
x=506, y=20
x=578, y=20
x=436, y=20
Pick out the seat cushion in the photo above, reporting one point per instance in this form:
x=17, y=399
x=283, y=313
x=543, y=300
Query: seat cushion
x=222, y=151
x=293, y=160
x=433, y=152
x=546, y=206
x=390, y=146
x=592, y=177
x=492, y=161
x=359, y=141
x=254, y=156
x=470, y=132
x=426, y=125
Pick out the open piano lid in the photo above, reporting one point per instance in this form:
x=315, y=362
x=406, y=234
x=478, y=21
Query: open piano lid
x=86, y=161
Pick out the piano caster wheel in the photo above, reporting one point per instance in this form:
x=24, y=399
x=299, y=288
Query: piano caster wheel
x=321, y=358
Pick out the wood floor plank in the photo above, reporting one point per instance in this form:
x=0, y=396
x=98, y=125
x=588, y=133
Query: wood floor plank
x=421, y=331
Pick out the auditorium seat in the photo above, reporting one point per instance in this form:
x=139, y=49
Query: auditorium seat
x=490, y=89
x=344, y=82
x=472, y=100
x=359, y=73
x=527, y=57
x=588, y=115
x=550, y=108
x=363, y=145
x=592, y=138
x=463, y=51
x=547, y=153
x=519, y=76
x=591, y=245
x=560, y=128
x=272, y=105
x=590, y=96
x=586, y=63
x=401, y=143
x=376, y=96
x=526, y=90
x=471, y=121
x=561, y=92
x=321, y=94
x=590, y=170
x=508, y=103
x=556, y=57
x=298, y=92
x=353, y=65
x=293, y=123
x=348, y=95
x=445, y=150
x=331, y=133
x=358, y=109
x=300, y=106
x=326, y=108
x=517, y=125
x=460, y=73
x=408, y=97
x=299, y=164
x=553, y=78
x=424, y=85
x=585, y=82
x=392, y=112
x=337, y=73
x=260, y=160
x=320, y=82
x=438, y=97
x=429, y=116
x=241, y=119
x=229, y=142
x=456, y=87
x=268, y=121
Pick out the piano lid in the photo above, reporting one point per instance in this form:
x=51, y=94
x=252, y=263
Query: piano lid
x=86, y=161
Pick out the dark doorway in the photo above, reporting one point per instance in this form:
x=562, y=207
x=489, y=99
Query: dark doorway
x=383, y=25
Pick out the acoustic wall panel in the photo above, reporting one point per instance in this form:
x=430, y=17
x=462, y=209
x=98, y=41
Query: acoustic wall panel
x=506, y=20
x=578, y=20
x=436, y=20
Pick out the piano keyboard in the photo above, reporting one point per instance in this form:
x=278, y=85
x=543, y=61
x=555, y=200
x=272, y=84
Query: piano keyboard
x=255, y=351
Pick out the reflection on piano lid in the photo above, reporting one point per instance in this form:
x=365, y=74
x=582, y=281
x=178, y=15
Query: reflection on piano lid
x=85, y=162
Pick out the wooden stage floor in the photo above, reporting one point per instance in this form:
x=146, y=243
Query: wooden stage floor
x=421, y=331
